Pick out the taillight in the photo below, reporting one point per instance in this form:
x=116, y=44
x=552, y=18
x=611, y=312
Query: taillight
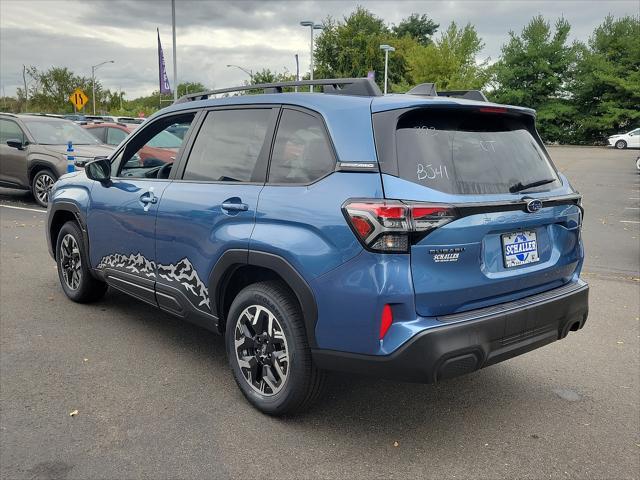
x=389, y=225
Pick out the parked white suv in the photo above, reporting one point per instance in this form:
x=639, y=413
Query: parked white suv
x=624, y=140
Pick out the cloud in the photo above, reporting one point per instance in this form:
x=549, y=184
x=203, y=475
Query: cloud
x=212, y=34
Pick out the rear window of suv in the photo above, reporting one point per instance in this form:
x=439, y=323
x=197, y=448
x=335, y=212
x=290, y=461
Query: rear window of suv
x=472, y=152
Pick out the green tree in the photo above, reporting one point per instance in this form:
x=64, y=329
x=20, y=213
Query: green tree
x=606, y=90
x=190, y=87
x=535, y=70
x=450, y=61
x=419, y=27
x=351, y=48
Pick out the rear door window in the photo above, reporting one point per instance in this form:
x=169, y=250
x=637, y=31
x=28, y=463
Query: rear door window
x=469, y=152
x=302, y=153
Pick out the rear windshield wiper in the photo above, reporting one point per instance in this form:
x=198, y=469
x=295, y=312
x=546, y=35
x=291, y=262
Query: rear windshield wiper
x=518, y=187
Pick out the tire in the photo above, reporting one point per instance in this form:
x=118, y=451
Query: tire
x=73, y=266
x=621, y=145
x=258, y=367
x=41, y=186
x=638, y=163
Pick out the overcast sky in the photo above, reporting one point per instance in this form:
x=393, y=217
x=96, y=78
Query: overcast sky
x=212, y=34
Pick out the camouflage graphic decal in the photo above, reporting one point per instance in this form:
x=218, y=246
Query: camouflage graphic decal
x=182, y=273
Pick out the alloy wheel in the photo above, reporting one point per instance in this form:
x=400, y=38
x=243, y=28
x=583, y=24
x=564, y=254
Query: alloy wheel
x=70, y=262
x=43, y=185
x=261, y=350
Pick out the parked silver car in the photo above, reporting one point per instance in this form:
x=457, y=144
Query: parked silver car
x=33, y=151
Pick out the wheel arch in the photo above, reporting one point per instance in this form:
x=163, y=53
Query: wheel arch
x=60, y=213
x=39, y=165
x=237, y=269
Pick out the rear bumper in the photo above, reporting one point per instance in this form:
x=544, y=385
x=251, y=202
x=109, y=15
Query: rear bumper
x=473, y=340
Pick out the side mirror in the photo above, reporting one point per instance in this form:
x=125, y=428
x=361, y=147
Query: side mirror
x=99, y=170
x=15, y=143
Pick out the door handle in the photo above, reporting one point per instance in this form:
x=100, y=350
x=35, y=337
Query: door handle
x=235, y=207
x=148, y=198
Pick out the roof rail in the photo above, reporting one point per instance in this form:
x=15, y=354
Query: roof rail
x=363, y=87
x=429, y=90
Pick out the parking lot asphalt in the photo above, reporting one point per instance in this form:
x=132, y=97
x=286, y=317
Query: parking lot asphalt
x=155, y=398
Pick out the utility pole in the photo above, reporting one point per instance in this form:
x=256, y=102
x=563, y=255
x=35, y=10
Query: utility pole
x=26, y=93
x=175, y=60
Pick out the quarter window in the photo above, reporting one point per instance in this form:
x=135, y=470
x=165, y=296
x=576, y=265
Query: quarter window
x=301, y=153
x=228, y=146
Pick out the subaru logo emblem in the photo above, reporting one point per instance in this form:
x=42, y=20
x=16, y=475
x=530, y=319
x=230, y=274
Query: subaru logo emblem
x=534, y=205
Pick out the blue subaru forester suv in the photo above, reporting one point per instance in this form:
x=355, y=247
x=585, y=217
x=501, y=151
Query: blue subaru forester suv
x=414, y=237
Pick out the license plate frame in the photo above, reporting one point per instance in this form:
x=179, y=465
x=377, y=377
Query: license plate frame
x=519, y=248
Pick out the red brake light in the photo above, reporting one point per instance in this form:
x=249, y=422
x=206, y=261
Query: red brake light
x=386, y=320
x=362, y=225
x=385, y=225
x=493, y=110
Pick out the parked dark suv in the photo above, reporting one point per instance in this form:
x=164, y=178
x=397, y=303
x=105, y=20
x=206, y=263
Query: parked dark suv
x=33, y=151
x=415, y=237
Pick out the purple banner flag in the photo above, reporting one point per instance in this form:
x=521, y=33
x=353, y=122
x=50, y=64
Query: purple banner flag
x=164, y=80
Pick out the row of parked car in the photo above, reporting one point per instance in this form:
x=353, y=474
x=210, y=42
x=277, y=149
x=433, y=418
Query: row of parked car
x=33, y=147
x=82, y=119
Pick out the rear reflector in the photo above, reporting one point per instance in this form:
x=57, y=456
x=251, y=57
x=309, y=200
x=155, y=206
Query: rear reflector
x=386, y=321
x=387, y=225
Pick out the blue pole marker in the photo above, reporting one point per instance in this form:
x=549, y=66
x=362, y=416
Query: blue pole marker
x=71, y=167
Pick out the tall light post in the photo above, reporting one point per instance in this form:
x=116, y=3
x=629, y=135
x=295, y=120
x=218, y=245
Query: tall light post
x=248, y=72
x=312, y=26
x=387, y=49
x=93, y=82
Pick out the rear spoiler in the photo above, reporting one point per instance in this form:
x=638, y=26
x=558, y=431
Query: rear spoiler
x=429, y=90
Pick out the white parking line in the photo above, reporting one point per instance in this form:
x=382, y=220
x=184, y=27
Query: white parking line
x=634, y=198
x=629, y=221
x=632, y=208
x=24, y=208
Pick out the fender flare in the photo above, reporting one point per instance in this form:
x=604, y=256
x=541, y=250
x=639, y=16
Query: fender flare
x=65, y=207
x=233, y=259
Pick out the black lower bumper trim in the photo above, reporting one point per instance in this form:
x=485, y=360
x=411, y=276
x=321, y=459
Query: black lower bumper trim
x=462, y=347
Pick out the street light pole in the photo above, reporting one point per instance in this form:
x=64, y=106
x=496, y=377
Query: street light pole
x=248, y=72
x=93, y=82
x=387, y=49
x=312, y=26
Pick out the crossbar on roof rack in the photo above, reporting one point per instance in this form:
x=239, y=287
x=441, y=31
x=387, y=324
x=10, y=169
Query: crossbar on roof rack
x=363, y=87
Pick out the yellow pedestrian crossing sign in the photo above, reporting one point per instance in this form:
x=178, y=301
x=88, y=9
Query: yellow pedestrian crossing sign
x=78, y=98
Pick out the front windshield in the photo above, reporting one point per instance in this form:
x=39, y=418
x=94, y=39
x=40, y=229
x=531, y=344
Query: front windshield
x=56, y=132
x=165, y=140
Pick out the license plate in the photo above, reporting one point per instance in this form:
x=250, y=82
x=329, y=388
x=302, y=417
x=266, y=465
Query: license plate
x=519, y=248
